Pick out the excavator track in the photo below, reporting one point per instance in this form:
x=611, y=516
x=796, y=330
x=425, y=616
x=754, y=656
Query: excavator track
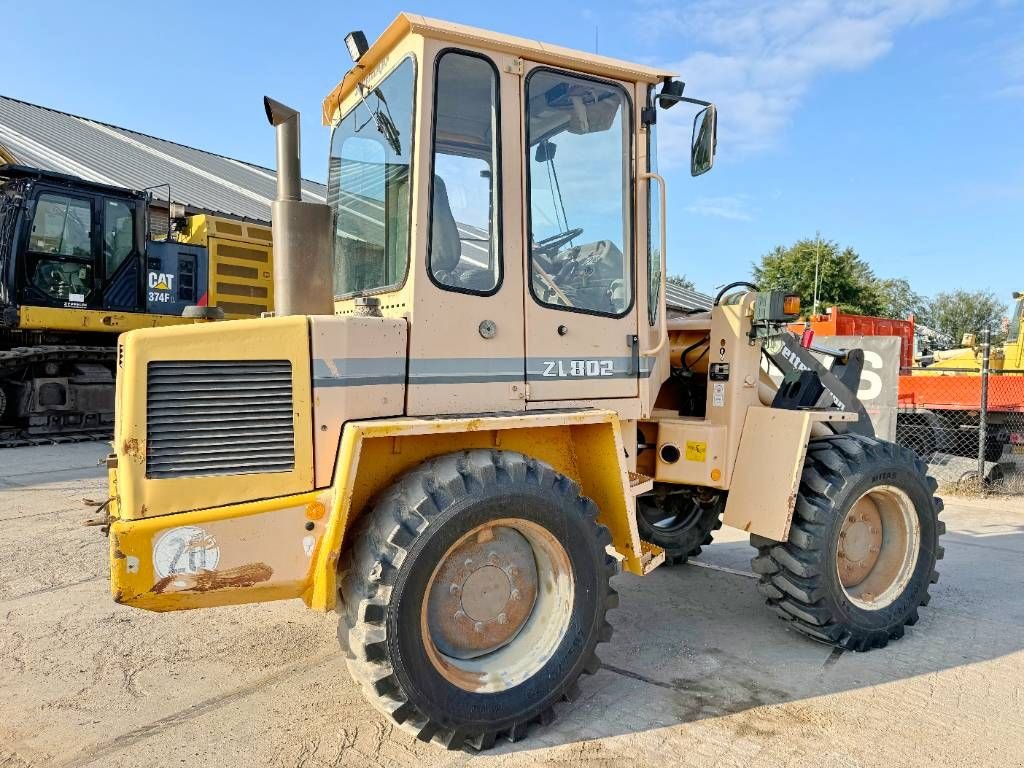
x=17, y=359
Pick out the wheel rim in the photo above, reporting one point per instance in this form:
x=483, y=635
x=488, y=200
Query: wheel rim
x=878, y=547
x=497, y=605
x=670, y=518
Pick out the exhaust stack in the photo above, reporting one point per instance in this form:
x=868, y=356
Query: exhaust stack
x=303, y=281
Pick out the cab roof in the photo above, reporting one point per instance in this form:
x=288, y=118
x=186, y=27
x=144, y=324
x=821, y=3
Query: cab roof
x=533, y=50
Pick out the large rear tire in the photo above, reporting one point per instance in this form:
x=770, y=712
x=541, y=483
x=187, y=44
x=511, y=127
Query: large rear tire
x=862, y=547
x=473, y=596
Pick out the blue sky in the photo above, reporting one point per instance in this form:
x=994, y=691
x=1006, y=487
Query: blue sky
x=892, y=126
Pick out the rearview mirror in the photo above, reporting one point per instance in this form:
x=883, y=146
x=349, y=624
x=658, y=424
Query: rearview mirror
x=545, y=151
x=704, y=140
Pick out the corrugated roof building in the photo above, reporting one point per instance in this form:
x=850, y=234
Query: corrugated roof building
x=204, y=182
x=685, y=300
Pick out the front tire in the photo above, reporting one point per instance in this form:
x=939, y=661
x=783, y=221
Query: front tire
x=862, y=547
x=678, y=522
x=473, y=596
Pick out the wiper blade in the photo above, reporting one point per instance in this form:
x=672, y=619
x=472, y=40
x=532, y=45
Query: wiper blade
x=382, y=119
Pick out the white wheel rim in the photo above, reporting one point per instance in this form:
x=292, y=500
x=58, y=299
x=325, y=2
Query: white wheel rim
x=523, y=647
x=878, y=548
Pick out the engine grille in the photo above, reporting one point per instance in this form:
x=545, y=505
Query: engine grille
x=219, y=418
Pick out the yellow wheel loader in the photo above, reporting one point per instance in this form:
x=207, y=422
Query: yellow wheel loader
x=471, y=391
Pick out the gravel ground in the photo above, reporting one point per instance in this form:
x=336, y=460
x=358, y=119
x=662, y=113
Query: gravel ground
x=698, y=673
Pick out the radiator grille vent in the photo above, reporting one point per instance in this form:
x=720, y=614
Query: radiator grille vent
x=219, y=418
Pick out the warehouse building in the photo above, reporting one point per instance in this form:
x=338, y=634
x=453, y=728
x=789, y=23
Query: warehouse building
x=204, y=182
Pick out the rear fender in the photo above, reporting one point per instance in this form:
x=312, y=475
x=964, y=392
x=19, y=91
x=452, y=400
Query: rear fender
x=583, y=445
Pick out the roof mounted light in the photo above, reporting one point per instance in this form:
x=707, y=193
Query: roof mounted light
x=671, y=93
x=356, y=44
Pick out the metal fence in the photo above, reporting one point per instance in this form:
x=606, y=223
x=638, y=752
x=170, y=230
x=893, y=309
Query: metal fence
x=966, y=423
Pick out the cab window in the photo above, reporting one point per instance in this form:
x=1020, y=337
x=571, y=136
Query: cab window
x=118, y=234
x=1013, y=334
x=60, y=248
x=369, y=186
x=464, y=237
x=61, y=226
x=580, y=207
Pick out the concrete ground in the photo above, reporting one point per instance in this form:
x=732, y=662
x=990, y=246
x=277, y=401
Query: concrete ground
x=699, y=673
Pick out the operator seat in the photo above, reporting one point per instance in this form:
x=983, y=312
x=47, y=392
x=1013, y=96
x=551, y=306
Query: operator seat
x=446, y=247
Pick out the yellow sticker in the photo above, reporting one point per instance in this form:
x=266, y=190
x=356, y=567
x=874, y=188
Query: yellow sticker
x=696, y=451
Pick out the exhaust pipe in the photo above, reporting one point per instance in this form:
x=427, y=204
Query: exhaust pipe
x=303, y=275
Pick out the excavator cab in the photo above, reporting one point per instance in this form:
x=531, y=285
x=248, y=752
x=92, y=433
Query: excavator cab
x=73, y=244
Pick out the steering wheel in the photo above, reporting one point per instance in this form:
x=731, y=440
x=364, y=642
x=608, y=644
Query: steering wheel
x=554, y=243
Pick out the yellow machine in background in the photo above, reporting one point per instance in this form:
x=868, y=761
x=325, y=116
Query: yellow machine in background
x=1008, y=356
x=77, y=267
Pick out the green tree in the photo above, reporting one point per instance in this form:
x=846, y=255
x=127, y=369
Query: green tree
x=682, y=281
x=899, y=300
x=959, y=312
x=845, y=280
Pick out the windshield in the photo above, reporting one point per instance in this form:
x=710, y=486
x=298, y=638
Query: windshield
x=368, y=186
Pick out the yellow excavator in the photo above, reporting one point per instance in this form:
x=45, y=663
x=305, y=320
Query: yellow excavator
x=78, y=267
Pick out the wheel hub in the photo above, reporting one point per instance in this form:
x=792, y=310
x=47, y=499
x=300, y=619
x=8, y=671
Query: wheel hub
x=860, y=542
x=482, y=593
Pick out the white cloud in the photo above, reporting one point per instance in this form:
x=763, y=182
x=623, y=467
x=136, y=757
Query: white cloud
x=732, y=207
x=756, y=60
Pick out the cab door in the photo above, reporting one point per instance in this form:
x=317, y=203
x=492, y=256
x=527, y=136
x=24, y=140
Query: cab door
x=580, y=306
x=121, y=256
x=466, y=343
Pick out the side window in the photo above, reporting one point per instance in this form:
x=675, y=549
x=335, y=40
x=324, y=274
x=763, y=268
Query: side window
x=368, y=186
x=118, y=234
x=465, y=206
x=61, y=226
x=186, y=277
x=579, y=193
x=654, y=276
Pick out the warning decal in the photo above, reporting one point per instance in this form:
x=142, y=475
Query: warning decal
x=696, y=451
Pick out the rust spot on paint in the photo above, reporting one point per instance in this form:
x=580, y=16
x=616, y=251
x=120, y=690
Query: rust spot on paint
x=118, y=554
x=143, y=511
x=209, y=581
x=132, y=448
x=119, y=596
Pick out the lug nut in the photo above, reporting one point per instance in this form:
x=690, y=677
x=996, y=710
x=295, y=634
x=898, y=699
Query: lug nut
x=492, y=557
x=453, y=588
x=514, y=595
x=478, y=627
x=469, y=562
x=460, y=614
x=502, y=618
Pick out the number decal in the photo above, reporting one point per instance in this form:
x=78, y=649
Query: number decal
x=578, y=369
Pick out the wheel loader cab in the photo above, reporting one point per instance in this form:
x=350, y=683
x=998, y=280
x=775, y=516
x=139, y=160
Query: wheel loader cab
x=497, y=202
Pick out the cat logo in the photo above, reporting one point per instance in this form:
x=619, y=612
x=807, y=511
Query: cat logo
x=160, y=281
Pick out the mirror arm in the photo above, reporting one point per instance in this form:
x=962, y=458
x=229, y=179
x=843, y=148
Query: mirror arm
x=687, y=99
x=663, y=313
